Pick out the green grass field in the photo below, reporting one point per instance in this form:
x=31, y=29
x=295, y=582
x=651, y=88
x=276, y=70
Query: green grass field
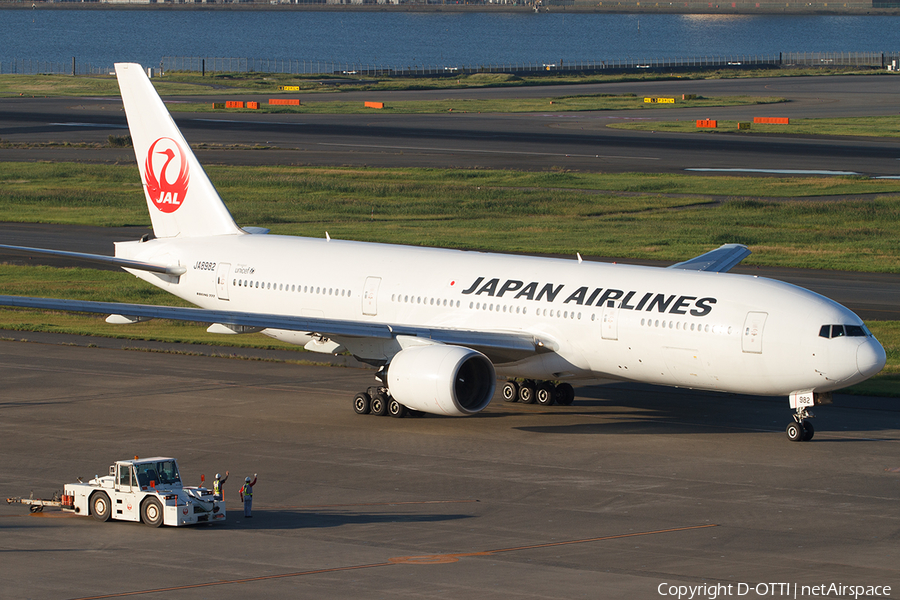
x=228, y=84
x=882, y=126
x=786, y=221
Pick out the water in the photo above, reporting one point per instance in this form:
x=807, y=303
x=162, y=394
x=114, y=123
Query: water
x=102, y=37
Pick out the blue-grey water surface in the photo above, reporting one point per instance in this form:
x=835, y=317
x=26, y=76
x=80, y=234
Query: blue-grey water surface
x=102, y=37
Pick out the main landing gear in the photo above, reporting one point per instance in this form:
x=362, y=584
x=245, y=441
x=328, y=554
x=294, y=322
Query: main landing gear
x=376, y=400
x=542, y=392
x=801, y=430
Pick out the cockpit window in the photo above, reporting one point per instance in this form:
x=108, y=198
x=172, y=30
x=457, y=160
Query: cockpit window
x=163, y=472
x=835, y=331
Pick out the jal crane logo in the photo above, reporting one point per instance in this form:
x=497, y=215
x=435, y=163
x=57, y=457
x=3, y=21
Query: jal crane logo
x=165, y=159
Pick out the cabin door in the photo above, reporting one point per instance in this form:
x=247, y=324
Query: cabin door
x=222, y=280
x=370, y=296
x=752, y=335
x=609, y=323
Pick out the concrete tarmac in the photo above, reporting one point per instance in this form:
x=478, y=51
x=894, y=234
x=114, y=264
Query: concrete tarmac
x=630, y=489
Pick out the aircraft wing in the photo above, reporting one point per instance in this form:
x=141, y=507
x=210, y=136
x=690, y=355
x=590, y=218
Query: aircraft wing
x=500, y=345
x=720, y=260
x=174, y=270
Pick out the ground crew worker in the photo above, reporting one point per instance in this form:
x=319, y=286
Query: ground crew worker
x=247, y=495
x=219, y=487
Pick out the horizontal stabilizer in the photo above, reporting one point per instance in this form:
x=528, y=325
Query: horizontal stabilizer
x=174, y=270
x=720, y=260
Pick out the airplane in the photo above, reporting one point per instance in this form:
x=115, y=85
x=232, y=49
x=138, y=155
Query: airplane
x=442, y=325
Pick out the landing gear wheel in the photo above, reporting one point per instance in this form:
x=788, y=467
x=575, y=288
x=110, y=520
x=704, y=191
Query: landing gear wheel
x=379, y=404
x=808, y=431
x=565, y=394
x=510, y=391
x=362, y=404
x=545, y=393
x=101, y=509
x=152, y=512
x=395, y=409
x=795, y=432
x=526, y=393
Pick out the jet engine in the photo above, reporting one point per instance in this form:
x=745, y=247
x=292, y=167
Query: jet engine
x=442, y=380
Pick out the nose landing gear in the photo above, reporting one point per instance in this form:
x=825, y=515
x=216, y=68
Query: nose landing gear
x=801, y=430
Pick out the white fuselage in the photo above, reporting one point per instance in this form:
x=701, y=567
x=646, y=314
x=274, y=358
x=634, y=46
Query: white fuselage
x=665, y=326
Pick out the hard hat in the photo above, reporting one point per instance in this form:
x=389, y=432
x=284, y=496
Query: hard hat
x=247, y=480
x=217, y=476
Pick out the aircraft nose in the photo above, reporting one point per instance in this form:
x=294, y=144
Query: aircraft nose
x=870, y=357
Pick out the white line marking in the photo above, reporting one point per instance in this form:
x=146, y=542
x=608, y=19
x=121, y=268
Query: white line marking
x=777, y=171
x=99, y=125
x=486, y=151
x=249, y=122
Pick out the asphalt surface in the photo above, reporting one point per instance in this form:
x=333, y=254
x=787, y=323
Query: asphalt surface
x=531, y=141
x=630, y=488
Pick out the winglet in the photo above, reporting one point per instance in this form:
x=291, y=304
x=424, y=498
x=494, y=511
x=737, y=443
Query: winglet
x=720, y=260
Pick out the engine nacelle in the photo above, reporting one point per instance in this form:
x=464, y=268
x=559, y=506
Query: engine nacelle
x=441, y=380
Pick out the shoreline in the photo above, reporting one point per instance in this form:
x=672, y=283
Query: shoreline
x=627, y=7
